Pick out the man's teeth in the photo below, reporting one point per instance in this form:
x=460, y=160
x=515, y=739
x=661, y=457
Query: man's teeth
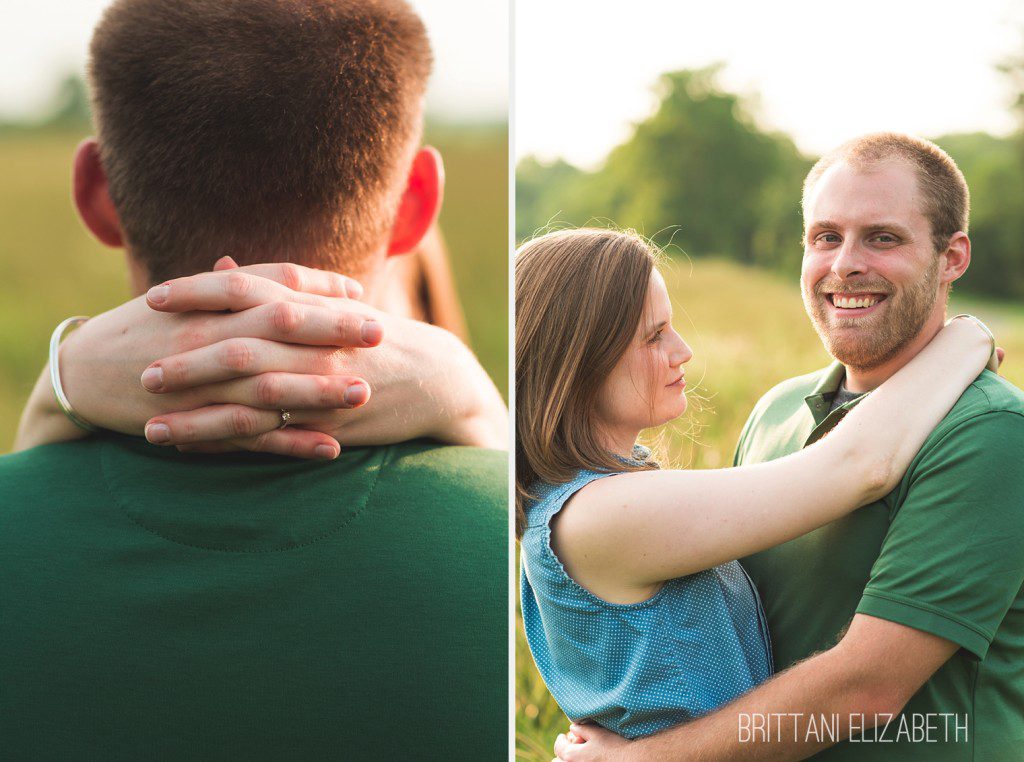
x=848, y=304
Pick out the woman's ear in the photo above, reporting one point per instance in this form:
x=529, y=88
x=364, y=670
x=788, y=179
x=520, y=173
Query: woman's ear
x=420, y=203
x=92, y=197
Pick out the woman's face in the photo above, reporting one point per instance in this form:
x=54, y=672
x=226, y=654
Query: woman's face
x=647, y=387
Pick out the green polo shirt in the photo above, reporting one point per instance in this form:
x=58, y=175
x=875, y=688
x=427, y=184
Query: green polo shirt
x=161, y=606
x=942, y=553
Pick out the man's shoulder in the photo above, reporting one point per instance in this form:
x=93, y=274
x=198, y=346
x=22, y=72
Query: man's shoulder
x=39, y=457
x=469, y=474
x=990, y=403
x=448, y=461
x=44, y=485
x=989, y=393
x=47, y=465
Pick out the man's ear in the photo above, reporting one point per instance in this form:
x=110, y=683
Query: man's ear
x=421, y=202
x=92, y=198
x=956, y=258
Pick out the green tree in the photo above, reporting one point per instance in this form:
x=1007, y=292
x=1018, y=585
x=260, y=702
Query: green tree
x=699, y=172
x=994, y=172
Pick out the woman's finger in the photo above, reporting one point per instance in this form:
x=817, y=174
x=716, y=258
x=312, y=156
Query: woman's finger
x=210, y=448
x=231, y=289
x=210, y=424
x=307, y=279
x=299, y=324
x=293, y=442
x=236, y=358
x=241, y=288
x=288, y=391
x=580, y=732
x=563, y=749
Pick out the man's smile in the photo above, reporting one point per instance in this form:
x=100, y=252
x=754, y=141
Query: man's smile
x=854, y=305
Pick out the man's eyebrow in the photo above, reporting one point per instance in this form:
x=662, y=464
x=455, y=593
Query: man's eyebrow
x=893, y=226
x=884, y=225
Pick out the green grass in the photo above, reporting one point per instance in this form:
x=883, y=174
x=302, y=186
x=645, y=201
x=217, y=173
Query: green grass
x=748, y=331
x=51, y=268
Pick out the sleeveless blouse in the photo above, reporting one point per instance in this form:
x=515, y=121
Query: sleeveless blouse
x=697, y=643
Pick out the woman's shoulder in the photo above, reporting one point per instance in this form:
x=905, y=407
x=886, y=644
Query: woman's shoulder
x=549, y=498
x=552, y=496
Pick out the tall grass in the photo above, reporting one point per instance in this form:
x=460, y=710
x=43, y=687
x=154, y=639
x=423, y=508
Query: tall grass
x=748, y=331
x=51, y=268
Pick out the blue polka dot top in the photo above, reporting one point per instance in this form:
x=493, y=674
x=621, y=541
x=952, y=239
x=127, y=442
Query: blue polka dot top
x=635, y=669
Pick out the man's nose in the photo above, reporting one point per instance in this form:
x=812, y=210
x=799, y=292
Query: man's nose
x=849, y=260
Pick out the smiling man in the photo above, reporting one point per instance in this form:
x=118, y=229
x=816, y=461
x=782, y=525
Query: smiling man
x=900, y=628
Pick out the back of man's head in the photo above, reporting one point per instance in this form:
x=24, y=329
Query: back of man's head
x=943, y=189
x=263, y=129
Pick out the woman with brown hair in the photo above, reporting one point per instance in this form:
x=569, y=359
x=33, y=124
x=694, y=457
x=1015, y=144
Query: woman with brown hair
x=636, y=611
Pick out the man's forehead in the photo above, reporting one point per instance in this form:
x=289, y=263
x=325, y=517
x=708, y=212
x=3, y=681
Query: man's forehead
x=851, y=194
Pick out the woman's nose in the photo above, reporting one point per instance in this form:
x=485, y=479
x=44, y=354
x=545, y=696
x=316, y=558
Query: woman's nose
x=681, y=352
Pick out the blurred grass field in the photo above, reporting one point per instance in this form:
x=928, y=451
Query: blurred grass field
x=51, y=268
x=748, y=331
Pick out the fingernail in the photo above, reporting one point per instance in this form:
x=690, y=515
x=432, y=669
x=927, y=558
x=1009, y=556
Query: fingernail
x=371, y=332
x=158, y=433
x=158, y=294
x=354, y=289
x=153, y=378
x=325, y=452
x=356, y=394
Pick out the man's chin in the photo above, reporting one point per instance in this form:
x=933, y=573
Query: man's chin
x=850, y=342
x=856, y=354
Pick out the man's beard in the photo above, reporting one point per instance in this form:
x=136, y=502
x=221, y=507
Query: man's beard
x=867, y=343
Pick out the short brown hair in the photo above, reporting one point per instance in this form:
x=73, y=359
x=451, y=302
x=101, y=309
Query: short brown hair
x=580, y=296
x=271, y=130
x=947, y=200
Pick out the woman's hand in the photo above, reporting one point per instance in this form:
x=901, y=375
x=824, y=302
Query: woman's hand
x=212, y=381
x=591, y=743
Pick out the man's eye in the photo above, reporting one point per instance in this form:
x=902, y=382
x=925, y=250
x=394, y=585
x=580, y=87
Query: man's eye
x=827, y=238
x=886, y=238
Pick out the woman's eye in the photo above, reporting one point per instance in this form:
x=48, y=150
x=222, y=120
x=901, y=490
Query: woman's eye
x=655, y=338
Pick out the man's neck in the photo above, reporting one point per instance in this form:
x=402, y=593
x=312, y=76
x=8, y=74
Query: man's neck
x=859, y=380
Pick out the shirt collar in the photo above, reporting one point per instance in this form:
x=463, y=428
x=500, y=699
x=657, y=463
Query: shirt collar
x=828, y=384
x=640, y=456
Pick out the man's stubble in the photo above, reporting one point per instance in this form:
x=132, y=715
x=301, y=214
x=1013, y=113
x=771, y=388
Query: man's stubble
x=875, y=340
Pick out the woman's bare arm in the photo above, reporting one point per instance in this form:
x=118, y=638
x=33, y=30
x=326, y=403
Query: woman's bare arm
x=631, y=531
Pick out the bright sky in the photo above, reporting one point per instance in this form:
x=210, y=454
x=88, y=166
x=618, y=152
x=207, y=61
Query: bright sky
x=43, y=39
x=822, y=71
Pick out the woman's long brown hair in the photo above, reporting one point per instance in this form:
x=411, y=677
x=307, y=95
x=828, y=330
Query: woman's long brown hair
x=580, y=296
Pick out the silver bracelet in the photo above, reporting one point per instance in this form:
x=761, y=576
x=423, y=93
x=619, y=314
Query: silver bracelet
x=993, y=360
x=58, y=390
